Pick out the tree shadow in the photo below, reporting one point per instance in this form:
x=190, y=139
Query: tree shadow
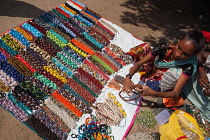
x=172, y=17
x=13, y=8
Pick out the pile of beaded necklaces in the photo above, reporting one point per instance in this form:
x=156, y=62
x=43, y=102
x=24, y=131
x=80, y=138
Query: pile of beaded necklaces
x=110, y=112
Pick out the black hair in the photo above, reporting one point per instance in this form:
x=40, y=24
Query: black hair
x=197, y=39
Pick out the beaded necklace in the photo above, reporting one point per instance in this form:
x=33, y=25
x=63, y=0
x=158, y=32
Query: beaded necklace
x=41, y=23
x=72, y=12
x=25, y=33
x=63, y=34
x=191, y=60
x=60, y=13
x=19, y=37
x=4, y=52
x=43, y=54
x=74, y=5
x=66, y=11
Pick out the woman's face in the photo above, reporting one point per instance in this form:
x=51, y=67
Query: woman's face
x=184, y=49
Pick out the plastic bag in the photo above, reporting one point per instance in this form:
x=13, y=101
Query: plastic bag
x=181, y=126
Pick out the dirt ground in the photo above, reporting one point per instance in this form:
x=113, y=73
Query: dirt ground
x=149, y=20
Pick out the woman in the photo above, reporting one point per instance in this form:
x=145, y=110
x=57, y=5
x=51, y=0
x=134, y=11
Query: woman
x=177, y=60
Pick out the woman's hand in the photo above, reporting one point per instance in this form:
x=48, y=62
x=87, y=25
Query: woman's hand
x=146, y=91
x=127, y=86
x=203, y=79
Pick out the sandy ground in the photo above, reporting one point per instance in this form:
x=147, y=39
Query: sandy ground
x=149, y=20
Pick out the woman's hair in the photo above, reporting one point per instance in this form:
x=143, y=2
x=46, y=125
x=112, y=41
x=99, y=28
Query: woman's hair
x=197, y=39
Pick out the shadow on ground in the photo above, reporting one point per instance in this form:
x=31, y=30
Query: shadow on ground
x=13, y=8
x=170, y=17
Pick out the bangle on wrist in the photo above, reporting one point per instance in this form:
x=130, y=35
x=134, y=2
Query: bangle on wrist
x=129, y=75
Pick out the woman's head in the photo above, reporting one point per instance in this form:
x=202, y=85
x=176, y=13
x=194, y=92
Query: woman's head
x=189, y=45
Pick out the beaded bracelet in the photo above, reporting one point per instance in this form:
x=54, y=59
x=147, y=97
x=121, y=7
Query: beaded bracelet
x=41, y=23
x=43, y=89
x=73, y=6
x=76, y=49
x=4, y=52
x=52, y=78
x=98, y=36
x=7, y=80
x=63, y=12
x=92, y=66
x=68, y=61
x=100, y=56
x=82, y=47
x=66, y=30
x=26, y=64
x=62, y=66
x=102, y=29
x=33, y=30
x=81, y=6
x=43, y=130
x=101, y=65
x=52, y=121
x=45, y=80
x=84, y=86
x=23, y=107
x=26, y=34
x=11, y=71
x=46, y=47
x=7, y=48
x=65, y=36
x=55, y=37
x=62, y=6
x=111, y=59
x=12, y=108
x=98, y=44
x=72, y=28
x=70, y=58
x=27, y=100
x=11, y=42
x=74, y=55
x=72, y=91
x=81, y=90
x=36, y=26
x=86, y=22
x=19, y=37
x=81, y=73
x=76, y=101
x=113, y=55
x=36, y=92
x=47, y=20
x=66, y=103
x=62, y=114
x=60, y=105
x=51, y=42
x=20, y=66
x=69, y=9
x=55, y=73
x=59, y=13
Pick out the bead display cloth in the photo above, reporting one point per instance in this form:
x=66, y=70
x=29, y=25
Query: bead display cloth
x=50, y=49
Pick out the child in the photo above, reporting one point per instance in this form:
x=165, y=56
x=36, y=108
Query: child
x=178, y=62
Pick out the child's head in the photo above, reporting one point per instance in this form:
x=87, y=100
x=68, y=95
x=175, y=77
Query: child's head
x=189, y=45
x=197, y=38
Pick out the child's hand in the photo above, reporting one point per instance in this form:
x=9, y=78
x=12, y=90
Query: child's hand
x=203, y=79
x=145, y=91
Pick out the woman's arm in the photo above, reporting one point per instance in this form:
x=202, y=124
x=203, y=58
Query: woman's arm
x=127, y=82
x=146, y=91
